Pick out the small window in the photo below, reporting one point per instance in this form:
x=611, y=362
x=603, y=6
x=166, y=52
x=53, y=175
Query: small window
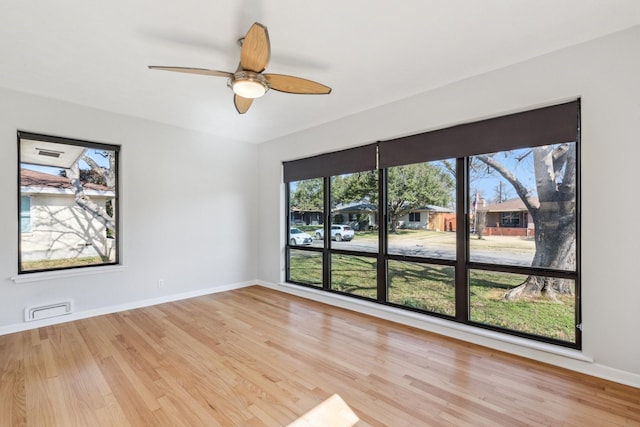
x=68, y=203
x=510, y=219
x=414, y=216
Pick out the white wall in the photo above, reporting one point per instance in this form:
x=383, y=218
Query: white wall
x=187, y=207
x=605, y=74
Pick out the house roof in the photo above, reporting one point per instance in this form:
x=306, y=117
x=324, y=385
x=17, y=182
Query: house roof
x=434, y=208
x=357, y=207
x=512, y=205
x=55, y=154
x=55, y=183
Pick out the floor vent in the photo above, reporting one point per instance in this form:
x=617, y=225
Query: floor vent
x=47, y=311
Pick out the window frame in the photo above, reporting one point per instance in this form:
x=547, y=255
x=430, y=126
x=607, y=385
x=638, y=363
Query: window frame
x=116, y=245
x=413, y=216
x=533, y=128
x=511, y=219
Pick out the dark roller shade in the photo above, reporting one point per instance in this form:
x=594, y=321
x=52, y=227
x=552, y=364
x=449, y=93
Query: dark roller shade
x=357, y=159
x=549, y=125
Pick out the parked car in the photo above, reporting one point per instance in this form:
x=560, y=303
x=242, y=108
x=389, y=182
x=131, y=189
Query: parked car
x=299, y=237
x=338, y=233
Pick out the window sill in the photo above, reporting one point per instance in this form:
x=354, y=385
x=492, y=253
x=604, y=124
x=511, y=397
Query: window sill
x=48, y=275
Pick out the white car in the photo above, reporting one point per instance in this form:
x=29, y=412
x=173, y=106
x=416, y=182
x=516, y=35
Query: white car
x=299, y=237
x=338, y=233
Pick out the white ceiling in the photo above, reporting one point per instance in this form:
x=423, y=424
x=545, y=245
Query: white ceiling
x=371, y=52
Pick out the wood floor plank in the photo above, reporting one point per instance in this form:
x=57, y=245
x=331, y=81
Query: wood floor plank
x=256, y=357
x=13, y=405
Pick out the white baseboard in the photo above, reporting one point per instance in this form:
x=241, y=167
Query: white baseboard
x=547, y=353
x=19, y=327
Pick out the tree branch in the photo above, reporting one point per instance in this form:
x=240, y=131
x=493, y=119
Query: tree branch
x=521, y=190
x=108, y=174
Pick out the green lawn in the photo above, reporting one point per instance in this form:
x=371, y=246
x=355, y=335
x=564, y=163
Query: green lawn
x=536, y=315
x=306, y=267
x=431, y=288
x=61, y=263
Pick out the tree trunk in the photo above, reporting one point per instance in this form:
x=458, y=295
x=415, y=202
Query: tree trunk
x=554, y=220
x=481, y=222
x=555, y=248
x=85, y=201
x=554, y=216
x=394, y=224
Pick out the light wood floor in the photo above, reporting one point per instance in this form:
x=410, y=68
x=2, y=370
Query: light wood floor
x=256, y=357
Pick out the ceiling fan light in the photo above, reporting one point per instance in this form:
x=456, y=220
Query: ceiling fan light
x=249, y=88
x=248, y=84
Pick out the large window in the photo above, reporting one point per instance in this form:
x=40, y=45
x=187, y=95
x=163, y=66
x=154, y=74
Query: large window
x=68, y=208
x=477, y=223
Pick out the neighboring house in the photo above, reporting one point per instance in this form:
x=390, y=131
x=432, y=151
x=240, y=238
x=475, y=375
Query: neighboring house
x=509, y=218
x=430, y=217
x=359, y=215
x=299, y=217
x=53, y=226
x=363, y=215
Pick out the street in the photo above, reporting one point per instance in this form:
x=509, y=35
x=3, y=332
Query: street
x=411, y=247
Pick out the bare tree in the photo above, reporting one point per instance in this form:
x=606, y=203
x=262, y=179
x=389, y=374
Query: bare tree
x=82, y=199
x=553, y=213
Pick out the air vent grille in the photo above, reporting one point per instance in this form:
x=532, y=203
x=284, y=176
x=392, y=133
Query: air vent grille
x=47, y=311
x=49, y=153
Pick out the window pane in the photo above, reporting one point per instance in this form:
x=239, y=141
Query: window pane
x=305, y=267
x=423, y=286
x=422, y=209
x=306, y=212
x=533, y=313
x=354, y=211
x=524, y=207
x=25, y=214
x=354, y=274
x=68, y=203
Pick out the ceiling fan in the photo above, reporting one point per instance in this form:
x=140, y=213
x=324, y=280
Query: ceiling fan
x=249, y=82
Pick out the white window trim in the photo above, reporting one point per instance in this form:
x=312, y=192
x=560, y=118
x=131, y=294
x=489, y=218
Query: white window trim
x=72, y=272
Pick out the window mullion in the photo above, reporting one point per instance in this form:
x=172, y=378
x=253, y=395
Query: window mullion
x=326, y=255
x=462, y=239
x=382, y=236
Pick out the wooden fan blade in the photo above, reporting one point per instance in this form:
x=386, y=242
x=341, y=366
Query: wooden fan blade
x=256, y=49
x=291, y=84
x=242, y=104
x=188, y=70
